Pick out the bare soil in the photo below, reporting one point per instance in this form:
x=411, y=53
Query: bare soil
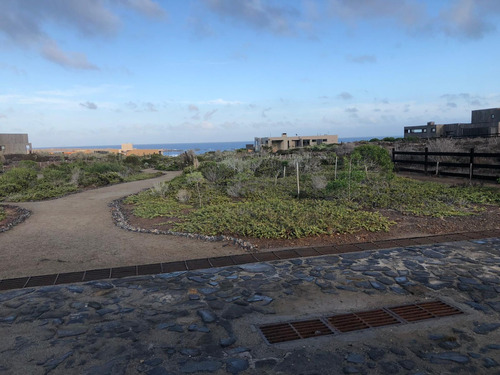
x=12, y=215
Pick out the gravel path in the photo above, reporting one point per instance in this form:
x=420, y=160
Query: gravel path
x=76, y=233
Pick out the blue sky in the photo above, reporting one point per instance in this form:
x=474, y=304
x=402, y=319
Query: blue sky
x=98, y=72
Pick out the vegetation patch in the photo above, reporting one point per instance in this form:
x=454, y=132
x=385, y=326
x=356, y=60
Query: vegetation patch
x=299, y=195
x=27, y=181
x=3, y=214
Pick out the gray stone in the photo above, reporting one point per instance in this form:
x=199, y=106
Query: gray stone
x=351, y=370
x=489, y=362
x=227, y=341
x=54, y=362
x=76, y=331
x=389, y=367
x=100, y=285
x=201, y=366
x=236, y=365
x=485, y=328
x=158, y=371
x=190, y=352
x=207, y=316
x=257, y=267
x=235, y=311
x=407, y=364
x=355, y=358
x=449, y=356
x=375, y=354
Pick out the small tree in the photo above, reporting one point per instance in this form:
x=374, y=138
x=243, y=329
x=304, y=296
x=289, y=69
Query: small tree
x=196, y=179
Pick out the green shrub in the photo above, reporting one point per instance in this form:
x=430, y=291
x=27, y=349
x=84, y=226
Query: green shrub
x=24, y=177
x=3, y=214
x=374, y=157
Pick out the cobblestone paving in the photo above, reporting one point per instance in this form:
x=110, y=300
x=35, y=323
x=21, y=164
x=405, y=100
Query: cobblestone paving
x=205, y=321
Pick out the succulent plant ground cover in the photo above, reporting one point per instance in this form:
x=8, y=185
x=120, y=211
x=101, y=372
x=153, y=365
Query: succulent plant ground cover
x=300, y=195
x=27, y=181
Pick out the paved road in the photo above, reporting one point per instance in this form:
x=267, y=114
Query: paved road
x=205, y=321
x=76, y=233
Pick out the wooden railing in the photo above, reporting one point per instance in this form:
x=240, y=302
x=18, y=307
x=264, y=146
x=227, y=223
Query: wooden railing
x=463, y=164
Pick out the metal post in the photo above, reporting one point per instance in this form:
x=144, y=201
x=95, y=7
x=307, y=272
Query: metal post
x=437, y=168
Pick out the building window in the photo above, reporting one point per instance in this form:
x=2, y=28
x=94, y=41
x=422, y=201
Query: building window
x=433, y=130
x=493, y=116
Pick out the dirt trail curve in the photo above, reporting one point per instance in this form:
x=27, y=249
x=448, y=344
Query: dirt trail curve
x=76, y=233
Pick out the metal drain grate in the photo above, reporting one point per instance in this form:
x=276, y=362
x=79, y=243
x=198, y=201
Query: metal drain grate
x=362, y=320
x=344, y=323
x=275, y=333
x=425, y=310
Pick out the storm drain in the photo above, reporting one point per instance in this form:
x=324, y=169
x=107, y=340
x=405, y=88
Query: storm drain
x=304, y=329
x=344, y=323
x=425, y=310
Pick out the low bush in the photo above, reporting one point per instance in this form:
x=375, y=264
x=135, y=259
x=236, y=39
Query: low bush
x=3, y=214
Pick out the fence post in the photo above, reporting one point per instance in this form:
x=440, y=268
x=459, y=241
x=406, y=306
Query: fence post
x=471, y=165
x=437, y=168
x=426, y=159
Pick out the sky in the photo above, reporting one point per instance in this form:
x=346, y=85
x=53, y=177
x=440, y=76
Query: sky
x=105, y=72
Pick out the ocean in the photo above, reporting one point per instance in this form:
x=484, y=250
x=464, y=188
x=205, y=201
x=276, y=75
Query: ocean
x=174, y=149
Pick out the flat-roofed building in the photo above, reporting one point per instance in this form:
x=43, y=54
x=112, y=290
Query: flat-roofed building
x=484, y=123
x=14, y=144
x=285, y=142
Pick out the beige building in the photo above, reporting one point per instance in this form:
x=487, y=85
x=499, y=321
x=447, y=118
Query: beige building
x=14, y=144
x=286, y=143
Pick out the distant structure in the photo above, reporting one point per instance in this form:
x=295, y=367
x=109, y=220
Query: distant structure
x=484, y=123
x=285, y=142
x=14, y=144
x=126, y=150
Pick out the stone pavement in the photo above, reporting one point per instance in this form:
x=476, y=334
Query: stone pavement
x=206, y=321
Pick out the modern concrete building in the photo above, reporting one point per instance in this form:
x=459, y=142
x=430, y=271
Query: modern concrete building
x=286, y=143
x=484, y=123
x=14, y=144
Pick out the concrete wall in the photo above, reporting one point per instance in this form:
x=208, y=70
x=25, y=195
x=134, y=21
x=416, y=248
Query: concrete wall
x=485, y=115
x=14, y=144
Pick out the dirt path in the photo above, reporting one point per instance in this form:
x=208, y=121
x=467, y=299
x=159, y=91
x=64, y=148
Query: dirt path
x=76, y=233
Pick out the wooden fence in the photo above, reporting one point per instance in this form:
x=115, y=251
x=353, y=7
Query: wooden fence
x=458, y=164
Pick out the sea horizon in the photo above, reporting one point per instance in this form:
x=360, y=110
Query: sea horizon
x=173, y=149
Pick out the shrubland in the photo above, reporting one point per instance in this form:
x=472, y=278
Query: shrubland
x=27, y=181
x=327, y=190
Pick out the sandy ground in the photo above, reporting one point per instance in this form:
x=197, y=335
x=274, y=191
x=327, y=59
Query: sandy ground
x=76, y=233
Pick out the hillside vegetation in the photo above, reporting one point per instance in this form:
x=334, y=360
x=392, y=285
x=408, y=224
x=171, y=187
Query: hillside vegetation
x=320, y=191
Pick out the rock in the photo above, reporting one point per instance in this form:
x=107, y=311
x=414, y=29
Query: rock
x=227, y=341
x=485, y=328
x=267, y=362
x=207, y=316
x=449, y=356
x=407, y=364
x=75, y=289
x=201, y=366
x=94, y=305
x=236, y=365
x=377, y=285
x=257, y=267
x=235, y=312
x=355, y=358
x=375, y=354
x=489, y=362
x=100, y=284
x=389, y=367
x=351, y=370
x=190, y=352
x=77, y=331
x=6, y=296
x=158, y=371
x=54, y=362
